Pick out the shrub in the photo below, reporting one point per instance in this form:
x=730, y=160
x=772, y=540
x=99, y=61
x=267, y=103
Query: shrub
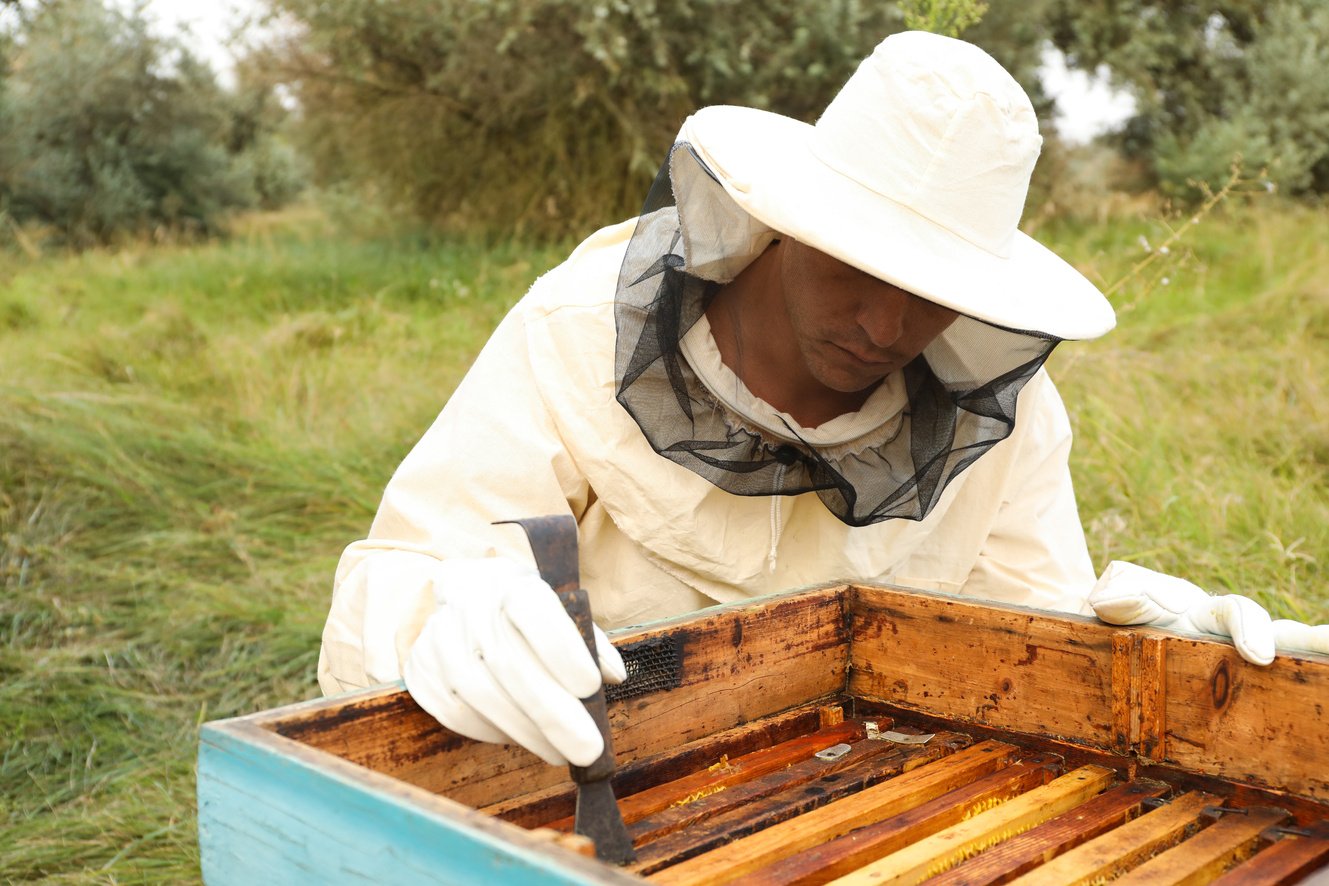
x=105, y=129
x=553, y=115
x=1211, y=81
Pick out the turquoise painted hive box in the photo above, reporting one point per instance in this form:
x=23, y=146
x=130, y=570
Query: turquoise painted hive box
x=850, y=734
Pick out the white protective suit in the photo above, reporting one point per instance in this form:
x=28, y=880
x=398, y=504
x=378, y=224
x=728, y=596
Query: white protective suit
x=535, y=429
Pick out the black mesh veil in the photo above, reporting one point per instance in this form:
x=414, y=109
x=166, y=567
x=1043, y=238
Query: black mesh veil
x=959, y=395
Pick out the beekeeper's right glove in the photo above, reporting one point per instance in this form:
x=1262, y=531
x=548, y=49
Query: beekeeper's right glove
x=1128, y=594
x=501, y=661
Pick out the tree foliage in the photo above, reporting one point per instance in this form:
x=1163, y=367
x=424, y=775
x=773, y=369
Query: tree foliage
x=948, y=17
x=553, y=114
x=106, y=128
x=1213, y=81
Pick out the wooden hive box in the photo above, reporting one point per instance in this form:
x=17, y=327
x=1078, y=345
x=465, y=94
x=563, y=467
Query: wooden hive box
x=1063, y=750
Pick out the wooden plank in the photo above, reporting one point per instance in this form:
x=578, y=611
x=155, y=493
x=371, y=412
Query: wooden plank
x=1010, y=668
x=1119, y=850
x=735, y=823
x=1153, y=699
x=1287, y=859
x=889, y=798
x=1302, y=808
x=724, y=774
x=1198, y=705
x=1032, y=848
x=945, y=849
x=1125, y=691
x=549, y=804
x=1266, y=726
x=739, y=663
x=841, y=856
x=271, y=810
x=574, y=842
x=858, y=765
x=1235, y=793
x=1206, y=855
x=865, y=764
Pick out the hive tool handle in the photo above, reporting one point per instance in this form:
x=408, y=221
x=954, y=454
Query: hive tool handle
x=554, y=544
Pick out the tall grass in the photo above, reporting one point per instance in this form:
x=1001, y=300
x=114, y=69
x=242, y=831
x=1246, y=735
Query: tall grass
x=1202, y=423
x=187, y=439
x=189, y=435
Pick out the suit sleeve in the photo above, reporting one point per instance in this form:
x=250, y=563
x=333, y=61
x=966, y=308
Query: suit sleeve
x=494, y=453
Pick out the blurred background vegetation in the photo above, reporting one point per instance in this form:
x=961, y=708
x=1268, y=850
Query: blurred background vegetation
x=229, y=305
x=548, y=118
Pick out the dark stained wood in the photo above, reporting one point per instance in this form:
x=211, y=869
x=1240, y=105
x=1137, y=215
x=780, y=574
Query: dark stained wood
x=1032, y=848
x=1206, y=855
x=714, y=770
x=1265, y=726
x=738, y=665
x=861, y=766
x=552, y=803
x=1303, y=809
x=666, y=801
x=891, y=797
x=748, y=818
x=1153, y=699
x=1121, y=849
x=1287, y=859
x=943, y=850
x=1189, y=703
x=1125, y=705
x=964, y=661
x=823, y=863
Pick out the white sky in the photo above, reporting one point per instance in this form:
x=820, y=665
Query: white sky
x=209, y=25
x=1086, y=105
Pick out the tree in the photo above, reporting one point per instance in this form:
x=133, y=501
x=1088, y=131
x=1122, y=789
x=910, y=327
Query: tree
x=108, y=129
x=947, y=17
x=550, y=113
x=1212, y=81
x=554, y=115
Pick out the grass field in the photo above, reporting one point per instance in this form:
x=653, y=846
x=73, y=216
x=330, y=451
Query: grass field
x=190, y=435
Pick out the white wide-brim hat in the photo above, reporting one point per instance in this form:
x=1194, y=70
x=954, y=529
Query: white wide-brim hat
x=916, y=173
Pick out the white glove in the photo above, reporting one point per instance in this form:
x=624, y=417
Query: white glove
x=500, y=660
x=1293, y=636
x=1127, y=594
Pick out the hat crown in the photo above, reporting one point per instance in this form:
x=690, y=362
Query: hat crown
x=939, y=126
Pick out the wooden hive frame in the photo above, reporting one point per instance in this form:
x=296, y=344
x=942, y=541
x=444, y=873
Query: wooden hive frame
x=1054, y=737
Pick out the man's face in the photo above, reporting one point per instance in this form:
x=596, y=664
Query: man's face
x=853, y=329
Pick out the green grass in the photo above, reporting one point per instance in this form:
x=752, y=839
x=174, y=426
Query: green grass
x=190, y=435
x=1202, y=421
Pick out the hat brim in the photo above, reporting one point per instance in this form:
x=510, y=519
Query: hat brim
x=766, y=165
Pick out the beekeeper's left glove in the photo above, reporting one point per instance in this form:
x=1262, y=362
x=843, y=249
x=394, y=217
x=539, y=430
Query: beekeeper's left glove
x=1127, y=594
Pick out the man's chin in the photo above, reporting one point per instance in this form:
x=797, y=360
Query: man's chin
x=851, y=384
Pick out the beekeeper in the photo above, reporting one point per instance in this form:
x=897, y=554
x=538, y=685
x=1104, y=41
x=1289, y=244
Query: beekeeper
x=816, y=355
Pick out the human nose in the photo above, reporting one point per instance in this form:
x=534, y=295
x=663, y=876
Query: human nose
x=882, y=319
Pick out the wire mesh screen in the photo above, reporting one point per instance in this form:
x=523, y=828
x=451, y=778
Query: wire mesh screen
x=653, y=665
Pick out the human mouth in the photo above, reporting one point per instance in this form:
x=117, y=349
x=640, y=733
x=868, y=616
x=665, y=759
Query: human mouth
x=875, y=360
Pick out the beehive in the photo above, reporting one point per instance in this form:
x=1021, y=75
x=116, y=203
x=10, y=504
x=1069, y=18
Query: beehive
x=1062, y=750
